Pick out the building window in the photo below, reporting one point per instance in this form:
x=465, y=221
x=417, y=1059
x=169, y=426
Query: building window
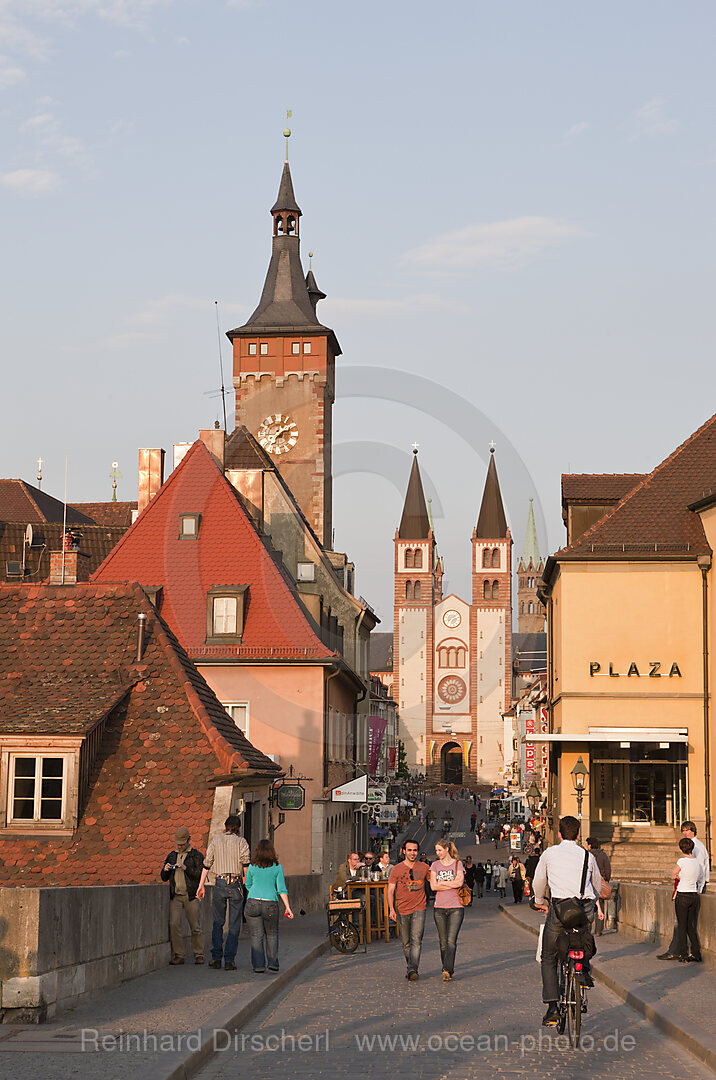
x=252, y=348
x=239, y=713
x=495, y=590
x=37, y=789
x=486, y=593
x=408, y=590
x=531, y=608
x=296, y=348
x=409, y=558
x=418, y=559
x=189, y=525
x=416, y=591
x=307, y=347
x=496, y=557
x=485, y=556
x=522, y=611
x=225, y=614
x=264, y=348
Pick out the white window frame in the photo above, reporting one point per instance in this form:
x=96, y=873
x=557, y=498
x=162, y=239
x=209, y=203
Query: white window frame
x=216, y=600
x=296, y=348
x=15, y=746
x=229, y=705
x=306, y=348
x=36, y=819
x=263, y=348
x=253, y=348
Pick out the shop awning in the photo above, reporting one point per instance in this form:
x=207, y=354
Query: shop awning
x=615, y=735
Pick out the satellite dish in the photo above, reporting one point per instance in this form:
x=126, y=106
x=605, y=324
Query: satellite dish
x=28, y=536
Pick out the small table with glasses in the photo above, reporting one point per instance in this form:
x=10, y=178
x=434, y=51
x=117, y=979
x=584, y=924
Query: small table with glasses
x=380, y=890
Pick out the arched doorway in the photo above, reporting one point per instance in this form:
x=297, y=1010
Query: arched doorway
x=451, y=761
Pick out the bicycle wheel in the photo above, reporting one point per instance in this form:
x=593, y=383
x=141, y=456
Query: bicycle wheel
x=562, y=998
x=574, y=1008
x=344, y=936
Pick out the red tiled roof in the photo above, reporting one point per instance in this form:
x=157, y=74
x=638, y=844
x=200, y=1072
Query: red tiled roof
x=653, y=520
x=117, y=514
x=598, y=488
x=95, y=541
x=161, y=743
x=227, y=551
x=21, y=502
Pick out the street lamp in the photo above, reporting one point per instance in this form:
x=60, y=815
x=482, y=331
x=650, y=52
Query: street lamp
x=580, y=776
x=533, y=796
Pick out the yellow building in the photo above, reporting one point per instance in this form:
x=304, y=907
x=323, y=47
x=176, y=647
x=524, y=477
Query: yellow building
x=631, y=609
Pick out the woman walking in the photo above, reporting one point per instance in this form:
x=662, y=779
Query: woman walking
x=265, y=883
x=446, y=876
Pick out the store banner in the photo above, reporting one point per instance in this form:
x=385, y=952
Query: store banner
x=544, y=729
x=529, y=715
x=378, y=724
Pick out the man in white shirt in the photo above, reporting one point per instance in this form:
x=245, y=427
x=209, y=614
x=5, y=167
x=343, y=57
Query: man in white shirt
x=688, y=830
x=561, y=867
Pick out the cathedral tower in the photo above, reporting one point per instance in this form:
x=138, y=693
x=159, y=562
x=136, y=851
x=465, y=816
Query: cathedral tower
x=492, y=607
x=417, y=588
x=284, y=370
x=530, y=613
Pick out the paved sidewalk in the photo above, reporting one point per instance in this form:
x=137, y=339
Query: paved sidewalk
x=679, y=999
x=174, y=1000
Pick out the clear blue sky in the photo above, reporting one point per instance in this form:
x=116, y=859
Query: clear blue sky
x=513, y=201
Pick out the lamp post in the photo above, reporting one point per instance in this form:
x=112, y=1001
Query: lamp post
x=533, y=796
x=580, y=776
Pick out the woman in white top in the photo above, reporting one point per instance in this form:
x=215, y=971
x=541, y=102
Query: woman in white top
x=687, y=872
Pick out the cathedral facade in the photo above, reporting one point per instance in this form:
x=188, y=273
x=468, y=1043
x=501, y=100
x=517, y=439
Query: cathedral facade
x=452, y=657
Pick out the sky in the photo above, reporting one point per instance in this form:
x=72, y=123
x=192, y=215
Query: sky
x=510, y=208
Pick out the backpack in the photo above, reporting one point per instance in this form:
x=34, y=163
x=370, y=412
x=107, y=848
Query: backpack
x=570, y=911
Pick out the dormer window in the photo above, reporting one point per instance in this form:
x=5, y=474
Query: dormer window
x=225, y=614
x=37, y=786
x=189, y=526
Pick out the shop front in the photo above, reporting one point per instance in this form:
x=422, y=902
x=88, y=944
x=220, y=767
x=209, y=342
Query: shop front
x=639, y=784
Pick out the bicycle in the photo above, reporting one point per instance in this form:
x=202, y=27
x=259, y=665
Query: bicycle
x=572, y=993
x=343, y=934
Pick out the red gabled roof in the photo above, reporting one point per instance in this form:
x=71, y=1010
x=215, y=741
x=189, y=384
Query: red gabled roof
x=22, y=502
x=227, y=551
x=598, y=488
x=164, y=735
x=653, y=520
x=108, y=513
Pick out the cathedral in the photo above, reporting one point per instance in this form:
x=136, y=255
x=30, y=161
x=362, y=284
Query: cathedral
x=452, y=658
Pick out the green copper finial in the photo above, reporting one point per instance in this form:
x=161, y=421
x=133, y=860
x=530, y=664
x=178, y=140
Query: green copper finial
x=310, y=256
x=287, y=130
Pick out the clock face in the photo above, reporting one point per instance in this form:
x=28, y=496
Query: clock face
x=452, y=618
x=278, y=434
x=452, y=689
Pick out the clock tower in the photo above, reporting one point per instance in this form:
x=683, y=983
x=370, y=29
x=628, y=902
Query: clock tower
x=284, y=371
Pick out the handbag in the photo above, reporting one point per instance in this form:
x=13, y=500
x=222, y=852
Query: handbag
x=606, y=893
x=464, y=895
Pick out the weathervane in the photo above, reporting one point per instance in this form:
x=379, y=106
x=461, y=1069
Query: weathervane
x=40, y=463
x=493, y=444
x=287, y=130
x=416, y=447
x=114, y=476
x=310, y=256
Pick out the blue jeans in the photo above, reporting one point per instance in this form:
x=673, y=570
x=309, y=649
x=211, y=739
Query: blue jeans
x=233, y=895
x=262, y=921
x=411, y=934
x=448, y=922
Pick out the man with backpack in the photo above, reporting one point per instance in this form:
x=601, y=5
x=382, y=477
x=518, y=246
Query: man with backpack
x=573, y=878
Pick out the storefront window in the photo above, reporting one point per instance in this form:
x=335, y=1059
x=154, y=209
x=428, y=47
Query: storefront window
x=639, y=784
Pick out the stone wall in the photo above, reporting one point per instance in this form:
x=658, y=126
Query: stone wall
x=58, y=946
x=647, y=912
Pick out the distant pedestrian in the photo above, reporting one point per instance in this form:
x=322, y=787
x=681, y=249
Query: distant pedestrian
x=182, y=869
x=516, y=875
x=447, y=874
x=473, y=822
x=605, y=869
x=488, y=875
x=688, y=831
x=228, y=855
x=265, y=885
x=500, y=876
x=480, y=879
x=407, y=903
x=470, y=879
x=530, y=867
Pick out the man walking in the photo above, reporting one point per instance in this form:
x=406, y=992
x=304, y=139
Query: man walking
x=182, y=870
x=228, y=855
x=406, y=904
x=700, y=853
x=480, y=879
x=605, y=869
x=516, y=875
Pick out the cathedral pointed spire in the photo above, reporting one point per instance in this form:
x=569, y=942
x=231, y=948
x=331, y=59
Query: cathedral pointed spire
x=415, y=522
x=286, y=200
x=491, y=521
x=530, y=550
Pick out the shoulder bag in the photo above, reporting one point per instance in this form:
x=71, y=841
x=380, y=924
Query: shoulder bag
x=570, y=912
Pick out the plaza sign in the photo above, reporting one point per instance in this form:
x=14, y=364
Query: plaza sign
x=654, y=672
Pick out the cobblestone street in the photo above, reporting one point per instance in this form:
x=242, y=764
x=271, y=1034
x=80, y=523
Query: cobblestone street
x=379, y=1025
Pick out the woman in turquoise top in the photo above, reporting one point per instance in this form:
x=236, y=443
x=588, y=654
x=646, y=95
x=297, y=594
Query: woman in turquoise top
x=265, y=883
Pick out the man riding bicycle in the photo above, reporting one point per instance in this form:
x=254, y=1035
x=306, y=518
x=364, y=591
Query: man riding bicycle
x=562, y=868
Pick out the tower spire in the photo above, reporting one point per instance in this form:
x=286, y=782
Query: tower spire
x=415, y=522
x=530, y=550
x=491, y=521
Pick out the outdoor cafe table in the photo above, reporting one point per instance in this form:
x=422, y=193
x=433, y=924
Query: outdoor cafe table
x=380, y=889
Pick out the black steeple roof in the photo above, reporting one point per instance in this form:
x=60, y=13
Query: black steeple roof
x=286, y=199
x=415, y=523
x=288, y=301
x=491, y=521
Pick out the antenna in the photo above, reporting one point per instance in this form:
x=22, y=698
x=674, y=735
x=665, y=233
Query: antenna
x=221, y=366
x=64, y=525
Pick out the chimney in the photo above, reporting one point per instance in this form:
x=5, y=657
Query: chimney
x=214, y=439
x=141, y=630
x=70, y=565
x=151, y=476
